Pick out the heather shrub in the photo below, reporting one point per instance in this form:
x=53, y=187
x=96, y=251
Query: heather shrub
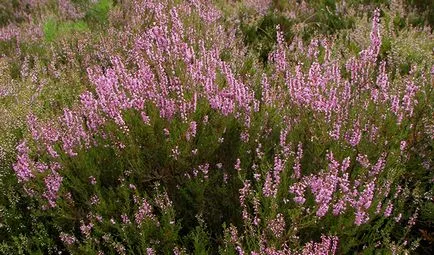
x=164, y=127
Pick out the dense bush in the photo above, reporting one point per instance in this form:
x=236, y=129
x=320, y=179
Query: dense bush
x=261, y=127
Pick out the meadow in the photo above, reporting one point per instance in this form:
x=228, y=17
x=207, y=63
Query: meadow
x=256, y=127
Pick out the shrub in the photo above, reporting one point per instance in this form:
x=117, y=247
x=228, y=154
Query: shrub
x=180, y=141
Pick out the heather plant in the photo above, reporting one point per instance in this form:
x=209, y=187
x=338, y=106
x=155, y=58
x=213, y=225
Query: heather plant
x=176, y=130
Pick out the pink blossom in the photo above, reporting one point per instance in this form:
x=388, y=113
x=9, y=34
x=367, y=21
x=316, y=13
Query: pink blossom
x=144, y=212
x=67, y=238
x=52, y=184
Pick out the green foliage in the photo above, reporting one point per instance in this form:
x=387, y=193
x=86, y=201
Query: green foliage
x=326, y=19
x=98, y=12
x=425, y=8
x=261, y=36
x=54, y=29
x=50, y=30
x=200, y=239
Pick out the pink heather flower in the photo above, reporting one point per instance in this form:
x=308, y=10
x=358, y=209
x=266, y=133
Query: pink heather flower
x=244, y=136
x=67, y=9
x=282, y=140
x=225, y=177
x=383, y=81
x=191, y=132
x=345, y=164
x=145, y=211
x=68, y=197
x=299, y=200
x=29, y=191
x=403, y=146
x=86, y=229
x=356, y=135
x=261, y=6
x=94, y=200
x=298, y=189
x=67, y=239
x=361, y=218
x=150, y=251
x=388, y=210
x=98, y=218
x=379, y=166
x=395, y=107
x=366, y=196
x=323, y=188
x=120, y=248
x=163, y=201
x=244, y=192
x=398, y=218
x=145, y=118
x=204, y=169
x=176, y=153
x=233, y=233
x=206, y=11
x=339, y=207
x=373, y=133
x=52, y=184
x=9, y=32
x=237, y=165
x=297, y=164
x=413, y=218
x=195, y=172
x=409, y=100
x=256, y=208
x=370, y=54
x=266, y=90
x=379, y=205
x=239, y=250
x=335, y=132
x=327, y=246
x=259, y=153
x=397, y=191
x=363, y=160
x=268, y=189
x=178, y=251
x=22, y=167
x=75, y=132
x=92, y=180
x=279, y=165
x=166, y=132
x=257, y=176
x=277, y=226
x=41, y=167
